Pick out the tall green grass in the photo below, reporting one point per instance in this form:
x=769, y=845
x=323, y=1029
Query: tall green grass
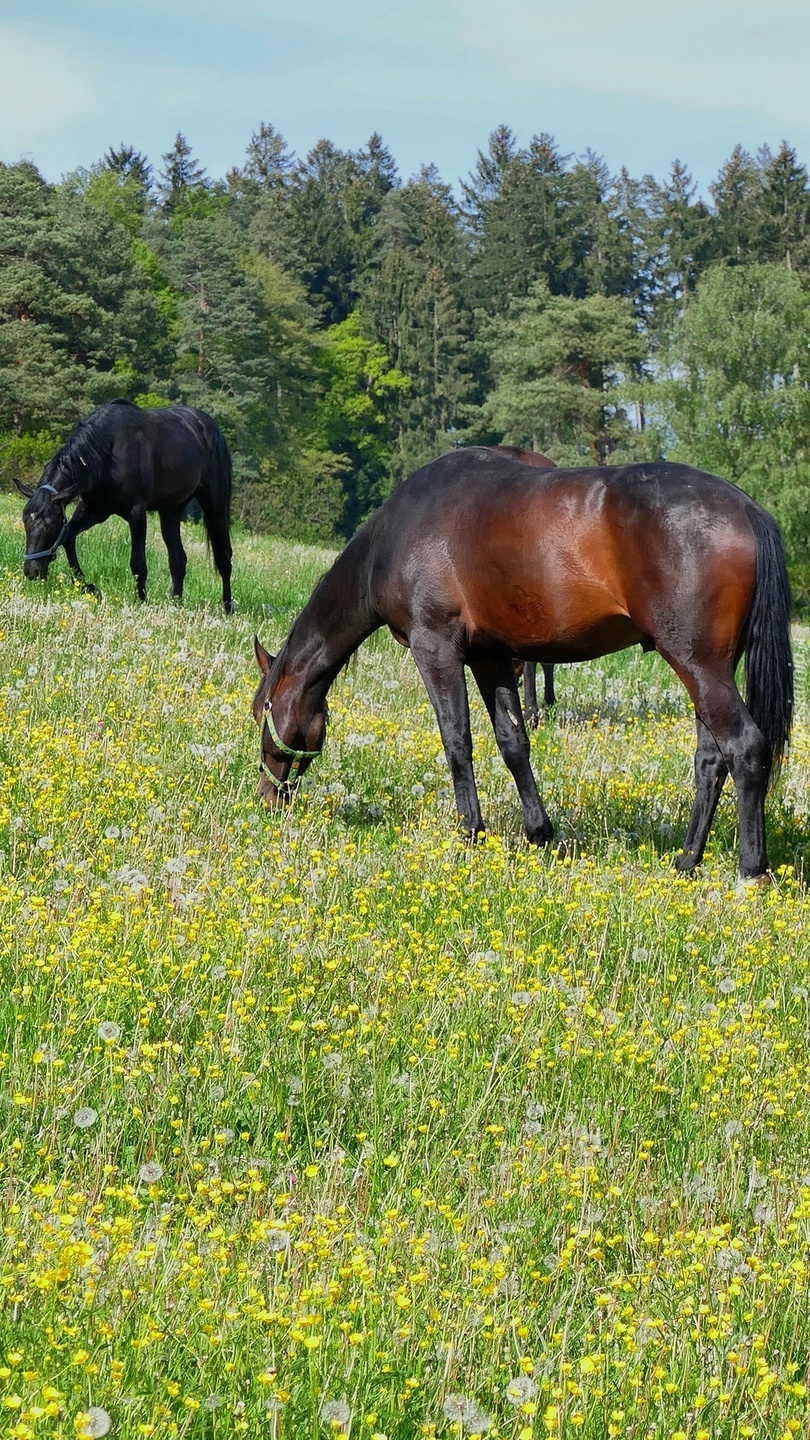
x=324, y=1124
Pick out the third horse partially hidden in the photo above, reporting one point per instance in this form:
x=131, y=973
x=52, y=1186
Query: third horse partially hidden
x=478, y=558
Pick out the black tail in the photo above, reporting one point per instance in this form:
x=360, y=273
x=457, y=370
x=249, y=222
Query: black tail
x=768, y=656
x=217, y=484
x=214, y=496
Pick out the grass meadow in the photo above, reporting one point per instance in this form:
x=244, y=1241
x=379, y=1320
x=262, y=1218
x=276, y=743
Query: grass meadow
x=324, y=1125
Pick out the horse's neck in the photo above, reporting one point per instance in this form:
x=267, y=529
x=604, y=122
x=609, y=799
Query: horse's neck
x=337, y=618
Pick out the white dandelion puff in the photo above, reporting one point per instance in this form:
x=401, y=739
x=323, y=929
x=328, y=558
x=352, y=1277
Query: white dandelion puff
x=84, y=1117
x=97, y=1422
x=108, y=1030
x=150, y=1172
x=336, y=1412
x=461, y=1408
x=520, y=1389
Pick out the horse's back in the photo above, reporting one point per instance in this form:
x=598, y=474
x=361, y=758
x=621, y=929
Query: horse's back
x=560, y=563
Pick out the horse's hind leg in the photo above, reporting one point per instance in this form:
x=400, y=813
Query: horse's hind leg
x=137, y=558
x=743, y=750
x=442, y=671
x=549, y=698
x=710, y=774
x=496, y=681
x=531, y=709
x=170, y=530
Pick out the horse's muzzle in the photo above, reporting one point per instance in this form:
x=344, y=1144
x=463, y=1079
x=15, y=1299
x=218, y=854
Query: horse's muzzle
x=35, y=569
x=274, y=797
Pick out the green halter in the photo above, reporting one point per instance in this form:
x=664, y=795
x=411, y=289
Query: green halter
x=297, y=755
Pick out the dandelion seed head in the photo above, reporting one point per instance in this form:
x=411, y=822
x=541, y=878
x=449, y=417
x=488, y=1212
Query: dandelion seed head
x=150, y=1172
x=84, y=1117
x=108, y=1030
x=460, y=1408
x=520, y=1389
x=97, y=1422
x=336, y=1412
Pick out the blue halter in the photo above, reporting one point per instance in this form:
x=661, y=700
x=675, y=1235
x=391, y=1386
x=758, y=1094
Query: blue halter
x=49, y=554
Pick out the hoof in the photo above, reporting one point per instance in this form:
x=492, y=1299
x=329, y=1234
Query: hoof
x=686, y=862
x=543, y=836
x=230, y=607
x=747, y=883
x=531, y=719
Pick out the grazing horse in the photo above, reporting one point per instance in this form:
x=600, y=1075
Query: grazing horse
x=125, y=461
x=528, y=668
x=475, y=559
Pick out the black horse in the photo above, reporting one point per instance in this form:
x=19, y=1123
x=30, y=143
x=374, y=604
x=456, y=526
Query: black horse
x=476, y=559
x=125, y=461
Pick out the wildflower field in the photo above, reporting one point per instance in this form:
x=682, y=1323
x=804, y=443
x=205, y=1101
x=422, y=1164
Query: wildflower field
x=325, y=1125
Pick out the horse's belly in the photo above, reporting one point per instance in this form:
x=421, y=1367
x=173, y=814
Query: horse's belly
x=583, y=634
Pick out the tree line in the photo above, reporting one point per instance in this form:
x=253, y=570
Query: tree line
x=344, y=326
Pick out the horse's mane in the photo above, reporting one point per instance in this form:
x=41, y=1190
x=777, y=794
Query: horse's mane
x=85, y=451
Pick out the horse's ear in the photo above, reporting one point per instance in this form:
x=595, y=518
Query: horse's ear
x=263, y=657
x=26, y=490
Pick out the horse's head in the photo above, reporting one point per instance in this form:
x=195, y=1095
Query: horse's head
x=44, y=521
x=292, y=730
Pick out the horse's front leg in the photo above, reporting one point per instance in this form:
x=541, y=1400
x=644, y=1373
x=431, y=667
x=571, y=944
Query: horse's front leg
x=496, y=680
x=137, y=558
x=440, y=665
x=83, y=518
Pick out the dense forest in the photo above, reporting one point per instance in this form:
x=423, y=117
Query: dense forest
x=344, y=326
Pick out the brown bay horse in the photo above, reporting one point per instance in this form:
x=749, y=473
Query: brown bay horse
x=476, y=559
x=122, y=460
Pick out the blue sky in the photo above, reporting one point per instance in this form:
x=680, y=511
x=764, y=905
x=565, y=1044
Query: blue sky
x=640, y=81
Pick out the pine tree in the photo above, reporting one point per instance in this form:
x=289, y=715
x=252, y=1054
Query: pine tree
x=333, y=206
x=739, y=209
x=683, y=229
x=534, y=216
x=787, y=210
x=181, y=175
x=77, y=325
x=269, y=164
x=555, y=361
x=130, y=164
x=413, y=304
